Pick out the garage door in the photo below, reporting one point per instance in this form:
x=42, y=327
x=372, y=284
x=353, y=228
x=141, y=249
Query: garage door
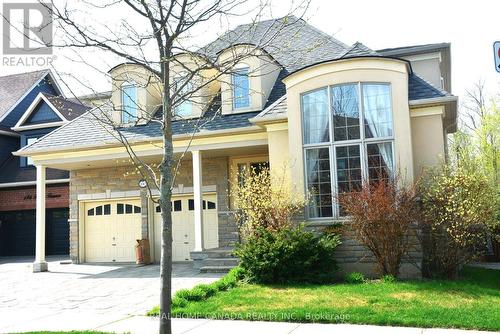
x=111, y=230
x=183, y=226
x=18, y=232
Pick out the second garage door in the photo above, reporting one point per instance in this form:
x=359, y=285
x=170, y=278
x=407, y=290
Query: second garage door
x=111, y=230
x=183, y=226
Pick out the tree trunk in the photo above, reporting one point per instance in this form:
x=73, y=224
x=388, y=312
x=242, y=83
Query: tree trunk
x=166, y=215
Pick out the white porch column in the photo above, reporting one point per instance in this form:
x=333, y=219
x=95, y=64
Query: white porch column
x=40, y=264
x=198, y=198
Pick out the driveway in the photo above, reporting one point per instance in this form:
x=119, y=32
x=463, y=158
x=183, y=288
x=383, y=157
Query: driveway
x=86, y=295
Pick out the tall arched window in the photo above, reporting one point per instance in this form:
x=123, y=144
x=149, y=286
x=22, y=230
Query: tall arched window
x=129, y=102
x=241, y=87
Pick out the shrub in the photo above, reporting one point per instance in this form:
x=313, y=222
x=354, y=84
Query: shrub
x=458, y=205
x=355, y=278
x=264, y=201
x=389, y=279
x=291, y=254
x=383, y=217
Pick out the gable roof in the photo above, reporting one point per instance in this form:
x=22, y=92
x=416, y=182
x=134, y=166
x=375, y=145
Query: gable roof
x=295, y=45
x=64, y=109
x=412, y=49
x=13, y=88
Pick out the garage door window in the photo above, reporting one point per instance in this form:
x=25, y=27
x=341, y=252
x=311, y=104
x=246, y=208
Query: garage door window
x=127, y=209
x=176, y=206
x=211, y=205
x=100, y=210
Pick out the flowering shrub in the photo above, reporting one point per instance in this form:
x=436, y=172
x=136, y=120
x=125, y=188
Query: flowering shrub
x=459, y=207
x=262, y=201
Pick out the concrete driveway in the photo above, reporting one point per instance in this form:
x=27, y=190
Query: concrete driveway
x=86, y=295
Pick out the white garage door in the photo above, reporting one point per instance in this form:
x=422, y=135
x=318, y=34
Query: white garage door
x=111, y=230
x=183, y=226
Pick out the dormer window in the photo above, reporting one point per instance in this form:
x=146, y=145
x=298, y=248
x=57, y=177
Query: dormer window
x=185, y=107
x=241, y=87
x=129, y=102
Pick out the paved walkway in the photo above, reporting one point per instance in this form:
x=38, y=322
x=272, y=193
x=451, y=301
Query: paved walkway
x=81, y=296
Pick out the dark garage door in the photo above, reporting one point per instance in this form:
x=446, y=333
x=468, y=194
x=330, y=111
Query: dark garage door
x=17, y=232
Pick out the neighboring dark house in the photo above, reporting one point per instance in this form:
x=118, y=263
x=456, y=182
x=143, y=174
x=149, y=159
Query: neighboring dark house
x=31, y=106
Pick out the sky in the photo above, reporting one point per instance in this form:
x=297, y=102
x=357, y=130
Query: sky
x=470, y=27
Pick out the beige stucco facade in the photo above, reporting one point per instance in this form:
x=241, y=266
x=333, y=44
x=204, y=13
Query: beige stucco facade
x=393, y=72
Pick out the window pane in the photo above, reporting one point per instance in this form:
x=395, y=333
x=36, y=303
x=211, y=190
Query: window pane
x=107, y=209
x=158, y=209
x=129, y=102
x=90, y=212
x=377, y=110
x=348, y=169
x=345, y=110
x=185, y=106
x=137, y=209
x=178, y=205
x=211, y=205
x=319, y=182
x=380, y=162
x=128, y=208
x=98, y=211
x=315, y=117
x=241, y=88
x=29, y=141
x=191, y=204
x=119, y=209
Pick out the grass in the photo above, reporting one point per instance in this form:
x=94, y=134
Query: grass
x=470, y=303
x=70, y=332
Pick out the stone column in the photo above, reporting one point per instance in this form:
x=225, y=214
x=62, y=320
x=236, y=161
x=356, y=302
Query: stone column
x=40, y=264
x=198, y=198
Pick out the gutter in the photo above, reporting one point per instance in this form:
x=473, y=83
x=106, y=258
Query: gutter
x=31, y=183
x=201, y=134
x=10, y=134
x=434, y=100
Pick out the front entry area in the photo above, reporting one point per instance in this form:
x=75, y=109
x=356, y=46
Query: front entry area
x=183, y=226
x=111, y=230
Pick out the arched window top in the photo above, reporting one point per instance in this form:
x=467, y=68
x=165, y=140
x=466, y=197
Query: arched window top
x=241, y=66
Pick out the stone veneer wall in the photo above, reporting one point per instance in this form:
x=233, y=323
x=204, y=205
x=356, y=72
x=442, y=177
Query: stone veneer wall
x=352, y=256
x=121, y=179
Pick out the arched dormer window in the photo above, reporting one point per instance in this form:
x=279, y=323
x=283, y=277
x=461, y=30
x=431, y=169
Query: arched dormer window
x=185, y=107
x=241, y=86
x=129, y=102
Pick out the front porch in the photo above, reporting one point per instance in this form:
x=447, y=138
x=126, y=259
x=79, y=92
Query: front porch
x=200, y=199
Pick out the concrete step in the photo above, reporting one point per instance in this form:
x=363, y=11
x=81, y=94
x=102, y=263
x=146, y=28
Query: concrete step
x=215, y=269
x=219, y=253
x=220, y=261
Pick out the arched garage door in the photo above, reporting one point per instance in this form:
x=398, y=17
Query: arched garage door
x=111, y=230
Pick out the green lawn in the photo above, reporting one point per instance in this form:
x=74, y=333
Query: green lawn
x=472, y=302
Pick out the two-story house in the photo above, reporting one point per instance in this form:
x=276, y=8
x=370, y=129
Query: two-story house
x=31, y=106
x=334, y=115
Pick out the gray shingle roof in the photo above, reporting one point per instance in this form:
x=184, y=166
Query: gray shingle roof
x=13, y=87
x=297, y=45
x=69, y=109
x=291, y=41
x=419, y=88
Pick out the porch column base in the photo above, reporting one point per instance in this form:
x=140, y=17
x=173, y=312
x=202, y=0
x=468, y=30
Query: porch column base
x=39, y=267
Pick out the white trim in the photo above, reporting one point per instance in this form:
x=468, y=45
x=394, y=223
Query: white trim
x=40, y=126
x=423, y=56
x=31, y=183
x=29, y=111
x=47, y=72
x=433, y=100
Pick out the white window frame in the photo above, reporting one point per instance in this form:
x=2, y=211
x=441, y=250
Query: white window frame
x=332, y=145
x=124, y=85
x=238, y=67
x=29, y=141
